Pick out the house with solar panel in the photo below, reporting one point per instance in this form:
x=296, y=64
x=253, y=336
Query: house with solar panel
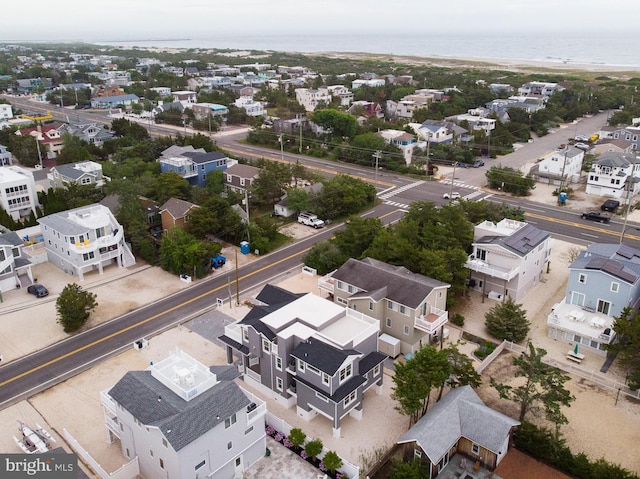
x=603, y=280
x=508, y=259
x=304, y=351
x=180, y=418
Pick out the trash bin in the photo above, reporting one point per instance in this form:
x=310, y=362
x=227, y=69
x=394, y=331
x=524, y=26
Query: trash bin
x=563, y=198
x=244, y=247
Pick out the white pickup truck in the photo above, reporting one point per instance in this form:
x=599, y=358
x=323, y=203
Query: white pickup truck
x=310, y=219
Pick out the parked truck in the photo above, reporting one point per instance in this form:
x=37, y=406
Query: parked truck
x=310, y=219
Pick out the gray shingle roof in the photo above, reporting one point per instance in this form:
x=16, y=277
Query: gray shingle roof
x=243, y=171
x=461, y=413
x=180, y=421
x=11, y=239
x=620, y=261
x=403, y=286
x=61, y=223
x=614, y=159
x=322, y=355
x=177, y=207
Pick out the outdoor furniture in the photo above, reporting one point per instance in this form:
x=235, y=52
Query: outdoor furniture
x=575, y=357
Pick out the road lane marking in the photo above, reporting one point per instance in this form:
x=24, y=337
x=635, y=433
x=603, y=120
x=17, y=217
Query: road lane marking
x=144, y=321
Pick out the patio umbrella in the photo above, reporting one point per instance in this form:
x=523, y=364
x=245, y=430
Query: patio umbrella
x=575, y=349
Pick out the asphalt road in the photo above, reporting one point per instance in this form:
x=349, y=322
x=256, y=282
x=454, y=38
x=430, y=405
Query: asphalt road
x=26, y=376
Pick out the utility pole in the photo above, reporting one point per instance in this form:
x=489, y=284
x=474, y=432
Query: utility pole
x=281, y=139
x=455, y=163
x=377, y=155
x=564, y=164
x=246, y=206
x=237, y=280
x=627, y=208
x=300, y=123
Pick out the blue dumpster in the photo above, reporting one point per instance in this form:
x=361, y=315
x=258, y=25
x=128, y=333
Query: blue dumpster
x=244, y=247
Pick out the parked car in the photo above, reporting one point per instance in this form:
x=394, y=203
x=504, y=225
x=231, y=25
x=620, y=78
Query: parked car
x=582, y=138
x=595, y=216
x=38, y=290
x=610, y=205
x=454, y=196
x=478, y=163
x=582, y=146
x=310, y=219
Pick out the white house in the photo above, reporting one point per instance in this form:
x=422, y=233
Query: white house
x=612, y=174
x=6, y=111
x=373, y=82
x=162, y=91
x=180, y=418
x=342, y=93
x=250, y=106
x=508, y=258
x=15, y=270
x=403, y=140
x=18, y=195
x=81, y=173
x=310, y=98
x=185, y=97
x=539, y=88
x=477, y=120
x=6, y=158
x=85, y=239
x=563, y=165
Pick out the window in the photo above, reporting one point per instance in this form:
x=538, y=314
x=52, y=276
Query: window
x=345, y=372
x=279, y=384
x=241, y=181
x=370, y=305
x=417, y=453
x=376, y=370
x=615, y=287
x=325, y=378
x=406, y=330
x=322, y=396
x=86, y=181
x=577, y=298
x=245, y=334
x=391, y=305
x=278, y=363
x=403, y=309
x=164, y=442
x=582, y=278
x=603, y=306
x=481, y=254
x=350, y=398
x=313, y=369
x=248, y=431
x=229, y=444
x=301, y=365
x=88, y=256
x=340, y=285
x=266, y=346
x=151, y=452
x=200, y=464
x=238, y=462
x=161, y=463
x=230, y=421
x=475, y=449
x=351, y=289
x=355, y=307
x=388, y=322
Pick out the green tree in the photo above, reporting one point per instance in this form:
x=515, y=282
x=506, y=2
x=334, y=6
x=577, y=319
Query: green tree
x=407, y=470
x=332, y=461
x=182, y=253
x=298, y=199
x=357, y=235
x=73, y=150
x=324, y=257
x=507, y=320
x=313, y=448
x=543, y=387
x=74, y=306
x=297, y=437
x=171, y=185
x=344, y=195
x=338, y=123
x=509, y=180
x=463, y=371
x=271, y=183
x=24, y=148
x=416, y=378
x=214, y=217
x=627, y=344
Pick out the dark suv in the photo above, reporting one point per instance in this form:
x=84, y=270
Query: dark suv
x=37, y=290
x=595, y=216
x=610, y=205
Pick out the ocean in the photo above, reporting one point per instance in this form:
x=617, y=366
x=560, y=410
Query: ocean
x=610, y=49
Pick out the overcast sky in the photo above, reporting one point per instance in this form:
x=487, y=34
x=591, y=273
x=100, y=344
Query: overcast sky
x=196, y=19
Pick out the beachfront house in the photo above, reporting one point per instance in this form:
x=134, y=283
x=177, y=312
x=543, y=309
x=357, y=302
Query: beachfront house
x=603, y=280
x=304, y=351
x=410, y=307
x=614, y=175
x=179, y=418
x=508, y=258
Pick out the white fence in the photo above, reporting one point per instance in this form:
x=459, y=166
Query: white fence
x=128, y=471
x=279, y=425
x=566, y=367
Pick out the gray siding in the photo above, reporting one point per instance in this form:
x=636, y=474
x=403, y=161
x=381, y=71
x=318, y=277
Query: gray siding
x=598, y=287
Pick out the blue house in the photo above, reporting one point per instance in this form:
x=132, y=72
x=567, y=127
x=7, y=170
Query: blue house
x=194, y=166
x=603, y=280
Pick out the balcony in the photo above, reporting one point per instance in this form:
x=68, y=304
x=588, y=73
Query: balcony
x=87, y=245
x=432, y=321
x=256, y=409
x=291, y=367
x=326, y=283
x=495, y=271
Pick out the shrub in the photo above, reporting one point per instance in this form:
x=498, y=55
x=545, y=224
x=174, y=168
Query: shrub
x=313, y=448
x=297, y=437
x=457, y=319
